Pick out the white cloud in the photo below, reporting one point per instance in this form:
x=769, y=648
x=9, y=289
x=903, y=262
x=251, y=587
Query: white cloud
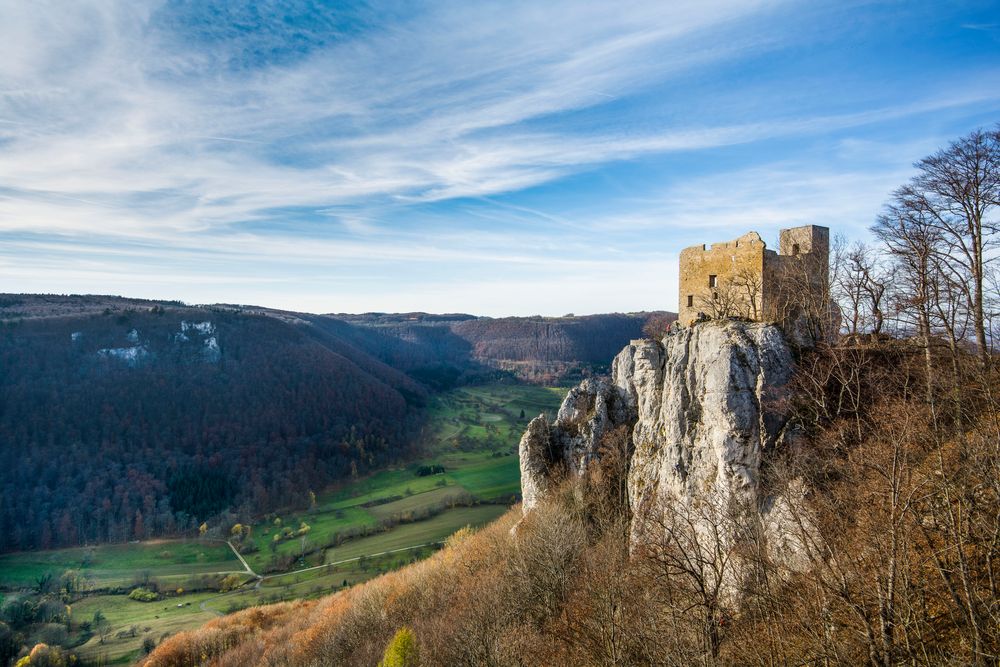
x=103, y=108
x=129, y=149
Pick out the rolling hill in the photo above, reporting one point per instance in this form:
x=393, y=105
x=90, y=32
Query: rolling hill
x=135, y=421
x=125, y=419
x=545, y=350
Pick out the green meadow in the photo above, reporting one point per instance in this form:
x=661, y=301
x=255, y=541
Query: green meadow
x=131, y=622
x=352, y=533
x=115, y=565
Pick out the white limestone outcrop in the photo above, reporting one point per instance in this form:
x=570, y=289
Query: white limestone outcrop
x=705, y=407
x=571, y=443
x=709, y=403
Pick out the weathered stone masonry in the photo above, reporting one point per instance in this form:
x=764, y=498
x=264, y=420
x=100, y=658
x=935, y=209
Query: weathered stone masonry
x=743, y=278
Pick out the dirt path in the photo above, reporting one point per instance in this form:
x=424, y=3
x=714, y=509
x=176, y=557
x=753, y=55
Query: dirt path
x=348, y=560
x=211, y=611
x=242, y=560
x=248, y=570
x=203, y=605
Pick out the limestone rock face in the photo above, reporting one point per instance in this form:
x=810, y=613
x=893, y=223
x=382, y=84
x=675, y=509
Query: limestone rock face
x=536, y=462
x=589, y=410
x=704, y=409
x=708, y=409
x=571, y=443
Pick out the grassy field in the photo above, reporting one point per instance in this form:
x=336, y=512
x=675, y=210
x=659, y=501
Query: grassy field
x=435, y=529
x=360, y=559
x=130, y=622
x=315, y=583
x=410, y=505
x=119, y=564
x=472, y=434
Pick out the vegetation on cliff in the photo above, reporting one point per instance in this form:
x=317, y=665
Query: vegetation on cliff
x=890, y=495
x=898, y=563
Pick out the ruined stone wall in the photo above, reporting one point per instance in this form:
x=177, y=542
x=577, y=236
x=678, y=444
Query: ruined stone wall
x=742, y=257
x=753, y=282
x=796, y=277
x=809, y=239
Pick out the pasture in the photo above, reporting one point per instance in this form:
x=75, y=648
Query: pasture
x=355, y=532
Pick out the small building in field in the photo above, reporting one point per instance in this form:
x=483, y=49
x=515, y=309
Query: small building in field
x=743, y=278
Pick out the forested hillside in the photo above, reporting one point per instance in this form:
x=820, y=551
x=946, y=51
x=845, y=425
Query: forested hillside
x=135, y=418
x=131, y=423
x=536, y=349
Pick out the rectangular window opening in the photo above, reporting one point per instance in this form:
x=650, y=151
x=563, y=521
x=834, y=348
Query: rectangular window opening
x=690, y=301
x=713, y=281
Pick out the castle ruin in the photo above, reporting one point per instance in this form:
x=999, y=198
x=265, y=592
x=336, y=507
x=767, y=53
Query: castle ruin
x=742, y=278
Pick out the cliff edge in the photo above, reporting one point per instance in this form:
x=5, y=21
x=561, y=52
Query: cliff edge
x=704, y=407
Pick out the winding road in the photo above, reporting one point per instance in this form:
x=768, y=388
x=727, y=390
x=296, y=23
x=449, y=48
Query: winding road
x=259, y=579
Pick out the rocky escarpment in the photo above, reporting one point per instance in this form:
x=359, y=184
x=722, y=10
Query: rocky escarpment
x=709, y=408
x=568, y=445
x=703, y=408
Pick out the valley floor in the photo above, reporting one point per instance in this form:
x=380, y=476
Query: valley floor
x=373, y=525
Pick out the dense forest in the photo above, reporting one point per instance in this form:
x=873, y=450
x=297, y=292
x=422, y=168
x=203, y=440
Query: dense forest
x=137, y=423
x=124, y=419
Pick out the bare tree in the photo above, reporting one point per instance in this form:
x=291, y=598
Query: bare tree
x=931, y=296
x=862, y=282
x=748, y=286
x=803, y=301
x=848, y=291
x=722, y=302
x=690, y=549
x=954, y=193
x=738, y=295
x=913, y=243
x=606, y=617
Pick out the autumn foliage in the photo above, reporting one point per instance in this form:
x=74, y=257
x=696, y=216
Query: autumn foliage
x=97, y=450
x=897, y=562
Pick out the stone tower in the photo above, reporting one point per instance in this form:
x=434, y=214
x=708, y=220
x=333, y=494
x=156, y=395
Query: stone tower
x=807, y=240
x=743, y=278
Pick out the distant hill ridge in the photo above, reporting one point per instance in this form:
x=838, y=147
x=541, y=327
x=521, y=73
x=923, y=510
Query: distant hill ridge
x=135, y=418
x=536, y=348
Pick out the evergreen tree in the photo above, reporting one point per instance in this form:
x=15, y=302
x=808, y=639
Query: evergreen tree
x=402, y=650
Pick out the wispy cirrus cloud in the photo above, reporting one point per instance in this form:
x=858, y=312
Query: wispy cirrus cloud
x=431, y=110
x=311, y=141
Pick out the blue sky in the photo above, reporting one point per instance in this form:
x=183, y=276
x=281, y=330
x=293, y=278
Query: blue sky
x=493, y=158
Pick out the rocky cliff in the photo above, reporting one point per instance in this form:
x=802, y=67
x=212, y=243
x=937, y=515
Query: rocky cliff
x=567, y=446
x=703, y=408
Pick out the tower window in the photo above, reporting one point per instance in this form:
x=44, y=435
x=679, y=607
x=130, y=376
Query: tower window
x=690, y=301
x=795, y=248
x=713, y=281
